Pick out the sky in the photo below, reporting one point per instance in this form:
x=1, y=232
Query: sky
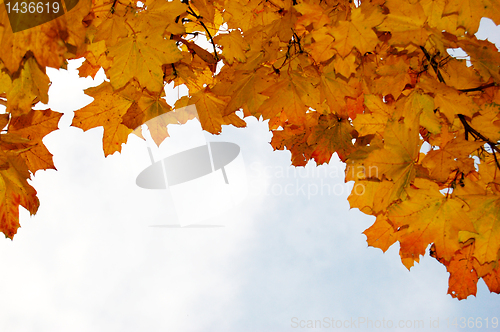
x=103, y=254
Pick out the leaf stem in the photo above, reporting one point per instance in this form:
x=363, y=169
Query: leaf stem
x=297, y=41
x=198, y=17
x=468, y=128
x=433, y=63
x=477, y=135
x=112, y=10
x=479, y=88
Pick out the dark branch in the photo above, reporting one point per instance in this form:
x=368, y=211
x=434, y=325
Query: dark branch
x=477, y=135
x=468, y=128
x=479, y=88
x=433, y=63
x=297, y=41
x=191, y=11
x=113, y=7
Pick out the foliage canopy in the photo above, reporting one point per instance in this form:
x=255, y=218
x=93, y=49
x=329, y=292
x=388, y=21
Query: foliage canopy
x=370, y=80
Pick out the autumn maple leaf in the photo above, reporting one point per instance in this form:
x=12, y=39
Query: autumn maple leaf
x=371, y=81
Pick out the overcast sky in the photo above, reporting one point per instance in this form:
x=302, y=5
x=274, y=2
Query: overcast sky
x=94, y=259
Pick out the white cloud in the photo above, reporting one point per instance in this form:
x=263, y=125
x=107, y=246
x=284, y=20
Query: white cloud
x=89, y=260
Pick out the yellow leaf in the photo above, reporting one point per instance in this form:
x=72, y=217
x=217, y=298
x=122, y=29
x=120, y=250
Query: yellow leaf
x=370, y=123
x=330, y=135
x=357, y=32
x=233, y=45
x=335, y=90
x=111, y=30
x=488, y=122
x=396, y=160
x=148, y=108
x=44, y=41
x=381, y=234
x=434, y=11
x=484, y=56
x=106, y=110
x=457, y=74
x=14, y=191
x=32, y=83
x=34, y=126
x=205, y=8
x=288, y=95
x=449, y=101
x=470, y=12
x=210, y=109
x=423, y=105
x=154, y=108
x=463, y=277
x=394, y=76
x=451, y=156
x=312, y=14
x=373, y=197
x=97, y=55
x=321, y=48
x=405, y=22
x=162, y=16
x=245, y=90
x=484, y=210
x=375, y=121
x=492, y=280
x=430, y=218
x=345, y=66
x=142, y=58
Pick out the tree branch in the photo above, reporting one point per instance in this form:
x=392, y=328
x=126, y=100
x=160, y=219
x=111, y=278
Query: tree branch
x=112, y=10
x=477, y=135
x=433, y=63
x=191, y=11
x=468, y=128
x=479, y=88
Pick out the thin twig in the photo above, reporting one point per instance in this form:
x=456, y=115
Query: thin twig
x=479, y=88
x=191, y=11
x=468, y=128
x=297, y=41
x=477, y=135
x=112, y=10
x=494, y=154
x=433, y=63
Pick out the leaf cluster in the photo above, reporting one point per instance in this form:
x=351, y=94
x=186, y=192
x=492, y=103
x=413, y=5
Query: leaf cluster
x=370, y=80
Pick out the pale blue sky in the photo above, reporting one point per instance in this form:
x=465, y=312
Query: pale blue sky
x=89, y=260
